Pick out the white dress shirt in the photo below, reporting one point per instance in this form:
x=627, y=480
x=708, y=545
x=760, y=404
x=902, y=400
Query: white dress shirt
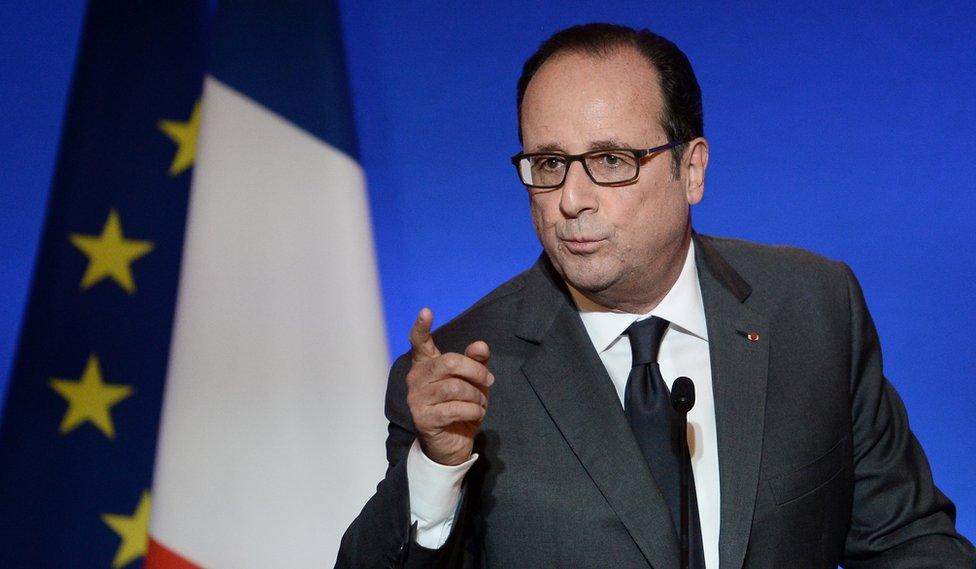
x=435, y=489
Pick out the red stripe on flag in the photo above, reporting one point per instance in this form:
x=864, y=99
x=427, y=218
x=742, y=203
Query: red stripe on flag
x=161, y=557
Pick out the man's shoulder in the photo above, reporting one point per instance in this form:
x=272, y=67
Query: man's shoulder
x=781, y=272
x=748, y=254
x=758, y=261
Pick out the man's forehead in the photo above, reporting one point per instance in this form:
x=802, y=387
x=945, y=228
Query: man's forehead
x=580, y=101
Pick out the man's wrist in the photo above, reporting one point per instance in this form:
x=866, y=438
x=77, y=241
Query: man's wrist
x=434, y=488
x=449, y=459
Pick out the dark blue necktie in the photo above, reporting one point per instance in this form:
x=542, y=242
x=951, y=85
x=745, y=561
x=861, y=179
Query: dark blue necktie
x=657, y=426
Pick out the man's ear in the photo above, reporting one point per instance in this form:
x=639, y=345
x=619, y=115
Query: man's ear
x=693, y=167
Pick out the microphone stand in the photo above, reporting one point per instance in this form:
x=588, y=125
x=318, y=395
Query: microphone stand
x=682, y=400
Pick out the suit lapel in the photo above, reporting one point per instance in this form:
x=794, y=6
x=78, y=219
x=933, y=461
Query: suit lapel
x=738, y=341
x=571, y=382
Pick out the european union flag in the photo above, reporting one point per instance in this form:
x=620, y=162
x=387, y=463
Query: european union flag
x=78, y=437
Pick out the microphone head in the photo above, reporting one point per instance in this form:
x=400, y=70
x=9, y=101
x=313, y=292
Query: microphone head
x=683, y=394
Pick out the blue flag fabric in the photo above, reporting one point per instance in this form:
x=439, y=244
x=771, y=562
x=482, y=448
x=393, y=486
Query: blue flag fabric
x=78, y=436
x=289, y=57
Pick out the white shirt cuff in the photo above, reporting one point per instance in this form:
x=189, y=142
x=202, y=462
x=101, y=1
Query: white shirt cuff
x=435, y=493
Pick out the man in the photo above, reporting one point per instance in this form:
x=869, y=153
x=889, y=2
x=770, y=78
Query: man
x=530, y=431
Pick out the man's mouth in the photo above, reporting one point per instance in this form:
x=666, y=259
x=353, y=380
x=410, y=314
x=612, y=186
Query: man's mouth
x=582, y=245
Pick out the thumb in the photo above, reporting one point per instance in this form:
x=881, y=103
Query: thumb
x=422, y=346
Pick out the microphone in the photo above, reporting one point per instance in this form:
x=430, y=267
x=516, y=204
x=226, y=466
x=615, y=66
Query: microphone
x=683, y=399
x=683, y=394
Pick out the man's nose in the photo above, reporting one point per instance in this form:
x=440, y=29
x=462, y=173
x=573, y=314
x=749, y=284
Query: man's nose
x=579, y=193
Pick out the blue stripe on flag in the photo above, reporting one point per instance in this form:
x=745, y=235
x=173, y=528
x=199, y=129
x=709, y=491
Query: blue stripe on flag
x=289, y=57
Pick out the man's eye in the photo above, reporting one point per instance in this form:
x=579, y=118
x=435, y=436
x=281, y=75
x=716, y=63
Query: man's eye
x=611, y=160
x=549, y=163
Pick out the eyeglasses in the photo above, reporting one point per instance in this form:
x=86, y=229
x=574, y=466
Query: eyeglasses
x=608, y=167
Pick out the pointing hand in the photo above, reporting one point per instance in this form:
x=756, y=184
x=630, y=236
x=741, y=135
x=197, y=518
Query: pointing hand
x=447, y=393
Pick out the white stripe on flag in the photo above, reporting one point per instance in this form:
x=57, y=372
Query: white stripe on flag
x=272, y=432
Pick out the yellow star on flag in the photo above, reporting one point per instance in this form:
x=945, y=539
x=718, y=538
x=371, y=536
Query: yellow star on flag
x=134, y=531
x=184, y=134
x=89, y=399
x=110, y=254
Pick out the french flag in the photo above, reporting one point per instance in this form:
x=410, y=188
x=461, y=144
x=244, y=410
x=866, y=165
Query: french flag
x=272, y=429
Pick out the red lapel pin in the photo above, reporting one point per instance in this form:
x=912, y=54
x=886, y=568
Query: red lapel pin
x=751, y=336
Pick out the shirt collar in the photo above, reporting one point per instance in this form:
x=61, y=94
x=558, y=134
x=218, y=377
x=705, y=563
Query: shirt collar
x=682, y=306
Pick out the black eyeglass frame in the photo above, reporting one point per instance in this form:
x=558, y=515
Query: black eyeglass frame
x=639, y=154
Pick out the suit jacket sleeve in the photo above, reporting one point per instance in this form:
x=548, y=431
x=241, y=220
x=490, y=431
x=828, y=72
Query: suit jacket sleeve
x=900, y=519
x=381, y=536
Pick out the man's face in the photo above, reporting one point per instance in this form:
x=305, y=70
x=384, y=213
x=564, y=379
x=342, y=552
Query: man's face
x=613, y=244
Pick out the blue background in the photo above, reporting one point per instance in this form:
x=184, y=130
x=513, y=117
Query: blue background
x=847, y=130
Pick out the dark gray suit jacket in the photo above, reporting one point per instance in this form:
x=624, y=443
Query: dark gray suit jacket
x=817, y=464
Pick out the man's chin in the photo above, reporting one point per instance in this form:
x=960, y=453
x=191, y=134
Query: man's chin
x=586, y=279
x=586, y=273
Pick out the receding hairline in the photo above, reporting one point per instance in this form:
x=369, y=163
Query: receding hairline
x=596, y=53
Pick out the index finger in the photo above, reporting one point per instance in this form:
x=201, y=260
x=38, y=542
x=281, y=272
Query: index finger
x=422, y=346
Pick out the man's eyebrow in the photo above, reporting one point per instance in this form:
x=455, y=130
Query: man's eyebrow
x=550, y=147
x=607, y=144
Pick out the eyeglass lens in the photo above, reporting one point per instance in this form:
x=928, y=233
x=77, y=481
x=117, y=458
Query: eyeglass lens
x=603, y=168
